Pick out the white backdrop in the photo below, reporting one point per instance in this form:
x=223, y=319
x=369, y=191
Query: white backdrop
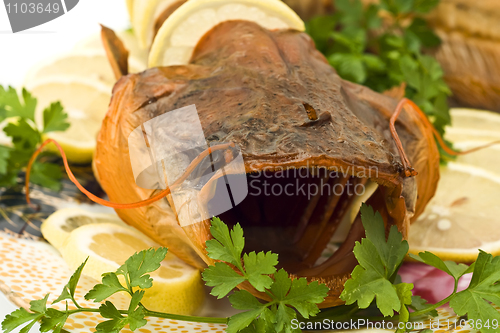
x=18, y=52
x=21, y=50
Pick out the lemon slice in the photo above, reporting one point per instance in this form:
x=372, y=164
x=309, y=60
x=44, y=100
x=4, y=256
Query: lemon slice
x=130, y=9
x=86, y=103
x=58, y=226
x=475, y=119
x=89, y=64
x=464, y=214
x=145, y=13
x=177, y=287
x=180, y=33
x=470, y=124
x=137, y=56
x=487, y=159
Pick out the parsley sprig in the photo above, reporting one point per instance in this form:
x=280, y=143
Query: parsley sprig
x=259, y=269
x=374, y=283
x=26, y=135
x=136, y=279
x=375, y=275
x=375, y=279
x=287, y=296
x=385, y=53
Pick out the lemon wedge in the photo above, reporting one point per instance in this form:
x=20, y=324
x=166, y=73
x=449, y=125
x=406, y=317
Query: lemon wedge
x=177, y=287
x=180, y=33
x=464, y=214
x=86, y=103
x=58, y=226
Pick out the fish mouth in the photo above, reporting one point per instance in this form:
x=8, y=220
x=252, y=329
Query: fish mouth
x=309, y=216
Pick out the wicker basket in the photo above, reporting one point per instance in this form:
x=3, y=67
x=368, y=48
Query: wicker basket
x=470, y=52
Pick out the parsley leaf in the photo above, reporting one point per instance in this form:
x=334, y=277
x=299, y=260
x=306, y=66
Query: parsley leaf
x=70, y=288
x=226, y=246
x=4, y=157
x=20, y=317
x=405, y=296
x=384, y=56
x=54, y=321
x=390, y=252
x=365, y=285
x=242, y=320
x=138, y=265
x=450, y=267
x=54, y=118
x=298, y=293
x=110, y=285
x=39, y=306
x=418, y=303
x=47, y=175
x=223, y=278
x=264, y=323
x=26, y=137
x=423, y=33
x=136, y=311
x=378, y=263
x=135, y=315
x=243, y=300
x=483, y=288
x=259, y=269
x=258, y=266
x=117, y=322
x=10, y=101
x=321, y=27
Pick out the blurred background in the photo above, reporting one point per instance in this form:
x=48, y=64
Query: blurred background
x=468, y=50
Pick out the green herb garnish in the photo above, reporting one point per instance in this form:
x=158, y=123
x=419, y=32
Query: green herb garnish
x=286, y=295
x=383, y=54
x=374, y=282
x=375, y=277
x=379, y=261
x=26, y=135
